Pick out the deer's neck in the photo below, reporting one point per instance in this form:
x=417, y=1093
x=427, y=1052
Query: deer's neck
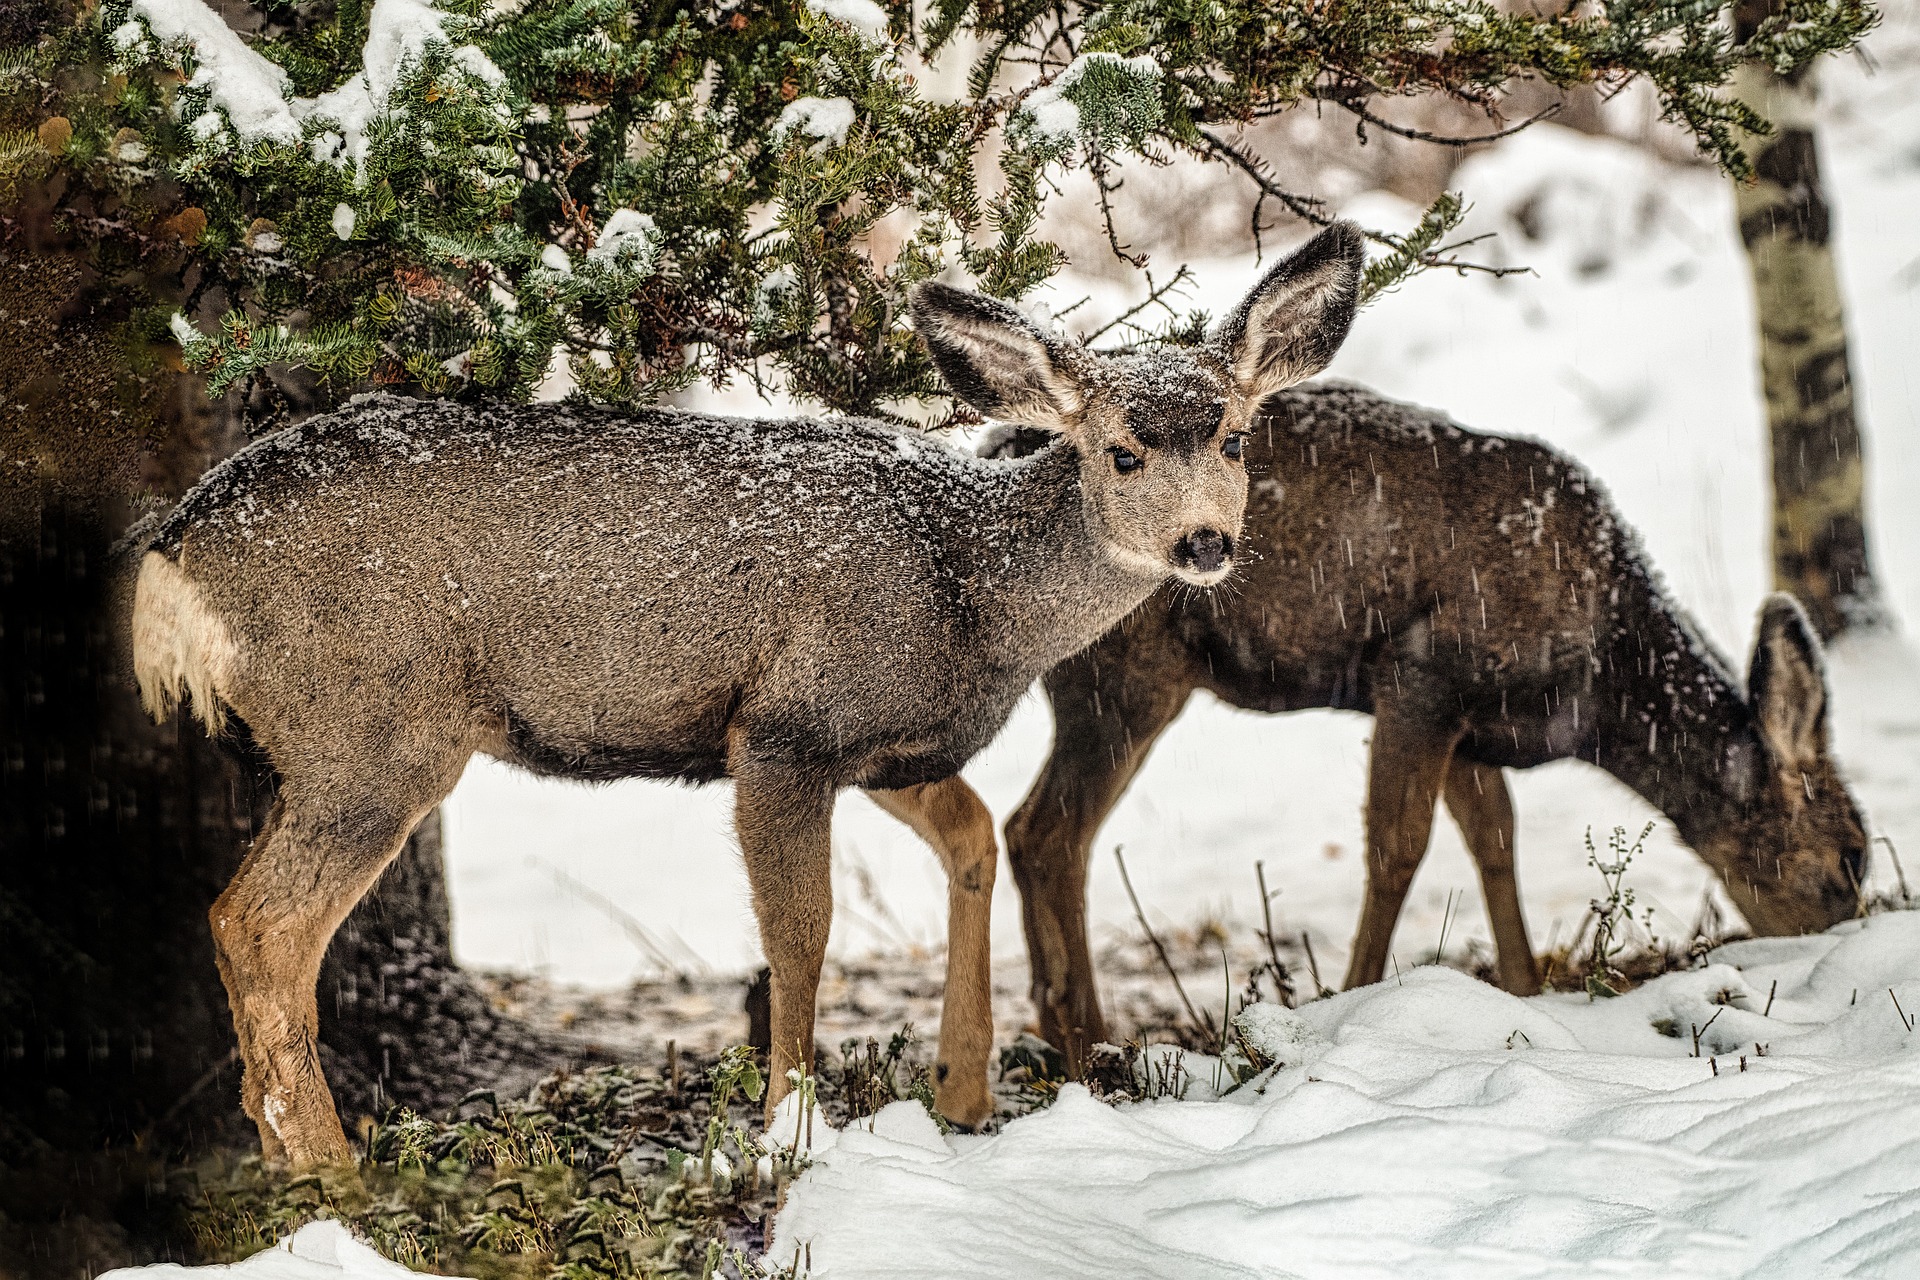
x=1044, y=584
x=1678, y=730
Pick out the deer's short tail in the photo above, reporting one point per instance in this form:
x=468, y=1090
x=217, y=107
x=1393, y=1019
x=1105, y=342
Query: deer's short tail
x=182, y=649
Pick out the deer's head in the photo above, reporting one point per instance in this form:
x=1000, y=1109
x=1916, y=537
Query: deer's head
x=1158, y=433
x=1794, y=857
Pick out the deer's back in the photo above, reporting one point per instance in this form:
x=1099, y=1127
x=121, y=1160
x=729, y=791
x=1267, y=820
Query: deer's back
x=1389, y=544
x=612, y=593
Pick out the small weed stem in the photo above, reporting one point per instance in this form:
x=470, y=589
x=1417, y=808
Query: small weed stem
x=1201, y=1023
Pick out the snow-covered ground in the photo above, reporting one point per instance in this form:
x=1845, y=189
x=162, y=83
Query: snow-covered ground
x=1631, y=347
x=1435, y=1127
x=323, y=1250
x=1752, y=1118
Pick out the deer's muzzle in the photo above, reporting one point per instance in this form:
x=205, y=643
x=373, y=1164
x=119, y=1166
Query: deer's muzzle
x=1203, y=551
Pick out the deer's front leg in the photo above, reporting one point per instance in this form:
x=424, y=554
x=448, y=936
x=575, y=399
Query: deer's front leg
x=1405, y=770
x=784, y=822
x=949, y=816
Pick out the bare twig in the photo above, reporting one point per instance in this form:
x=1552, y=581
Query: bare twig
x=1097, y=168
x=1282, y=977
x=1355, y=105
x=1300, y=206
x=1203, y=1024
x=1226, y=1002
x=1700, y=1031
x=572, y=210
x=1066, y=311
x=1155, y=295
x=1313, y=966
x=1905, y=1021
x=1446, y=918
x=1313, y=210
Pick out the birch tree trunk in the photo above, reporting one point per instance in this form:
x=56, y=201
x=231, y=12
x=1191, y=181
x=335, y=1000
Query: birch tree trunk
x=1819, y=507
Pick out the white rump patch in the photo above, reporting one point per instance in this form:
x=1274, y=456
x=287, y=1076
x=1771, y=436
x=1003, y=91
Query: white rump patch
x=181, y=648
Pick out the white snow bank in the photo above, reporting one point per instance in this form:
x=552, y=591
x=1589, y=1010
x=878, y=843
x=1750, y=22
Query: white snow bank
x=317, y=1251
x=1436, y=1127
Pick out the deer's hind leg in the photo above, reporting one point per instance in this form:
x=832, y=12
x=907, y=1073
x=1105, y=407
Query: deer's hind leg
x=1406, y=768
x=338, y=821
x=952, y=818
x=1482, y=807
x=1110, y=705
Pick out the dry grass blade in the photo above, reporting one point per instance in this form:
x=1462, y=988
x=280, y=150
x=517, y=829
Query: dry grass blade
x=1282, y=976
x=1201, y=1023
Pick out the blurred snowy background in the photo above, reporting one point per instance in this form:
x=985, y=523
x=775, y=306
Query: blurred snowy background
x=1631, y=346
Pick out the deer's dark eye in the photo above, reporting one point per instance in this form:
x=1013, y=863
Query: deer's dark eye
x=1233, y=445
x=1125, y=460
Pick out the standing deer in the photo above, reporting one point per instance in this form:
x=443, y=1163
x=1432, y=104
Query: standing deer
x=1480, y=597
x=800, y=605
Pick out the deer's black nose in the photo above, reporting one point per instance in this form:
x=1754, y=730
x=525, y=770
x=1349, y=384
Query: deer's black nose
x=1204, y=550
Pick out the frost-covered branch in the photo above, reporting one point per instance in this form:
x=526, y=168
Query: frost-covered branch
x=451, y=197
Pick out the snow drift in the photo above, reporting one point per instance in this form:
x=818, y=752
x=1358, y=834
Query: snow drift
x=1435, y=1127
x=317, y=1251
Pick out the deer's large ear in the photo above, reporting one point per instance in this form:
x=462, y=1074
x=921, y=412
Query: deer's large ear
x=1293, y=322
x=1787, y=686
x=998, y=361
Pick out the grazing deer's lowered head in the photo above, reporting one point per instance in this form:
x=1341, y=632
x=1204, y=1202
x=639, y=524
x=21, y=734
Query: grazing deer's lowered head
x=1785, y=834
x=801, y=605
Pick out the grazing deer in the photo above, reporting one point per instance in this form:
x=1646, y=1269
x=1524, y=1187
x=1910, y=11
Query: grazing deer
x=1481, y=598
x=800, y=605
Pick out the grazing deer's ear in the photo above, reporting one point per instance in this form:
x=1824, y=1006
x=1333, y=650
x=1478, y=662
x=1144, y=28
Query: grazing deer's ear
x=1293, y=322
x=1787, y=686
x=998, y=361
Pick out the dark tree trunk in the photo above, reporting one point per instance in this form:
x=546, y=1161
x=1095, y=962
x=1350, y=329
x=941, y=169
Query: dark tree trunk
x=1819, y=470
x=116, y=834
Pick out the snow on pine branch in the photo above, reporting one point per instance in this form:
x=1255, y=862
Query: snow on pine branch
x=863, y=16
x=439, y=192
x=827, y=119
x=255, y=94
x=1106, y=98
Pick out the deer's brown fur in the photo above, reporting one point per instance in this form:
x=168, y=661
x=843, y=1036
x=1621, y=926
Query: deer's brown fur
x=799, y=605
x=1479, y=595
